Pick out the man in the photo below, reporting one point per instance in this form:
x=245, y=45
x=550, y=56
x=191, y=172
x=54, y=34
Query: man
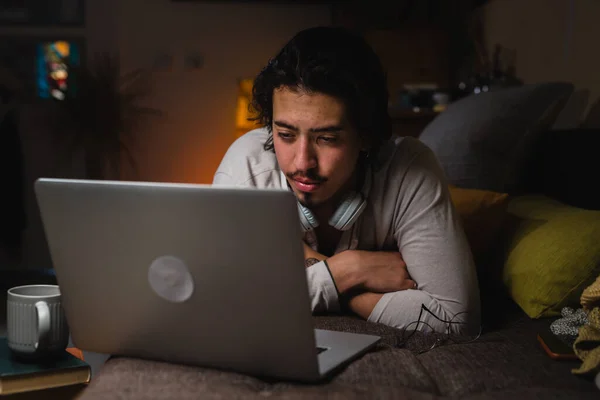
x=381, y=234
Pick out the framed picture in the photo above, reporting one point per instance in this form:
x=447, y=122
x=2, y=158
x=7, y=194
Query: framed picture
x=45, y=66
x=55, y=63
x=42, y=13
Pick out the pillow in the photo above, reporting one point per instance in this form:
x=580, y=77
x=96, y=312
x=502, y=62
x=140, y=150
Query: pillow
x=482, y=141
x=482, y=213
x=552, y=254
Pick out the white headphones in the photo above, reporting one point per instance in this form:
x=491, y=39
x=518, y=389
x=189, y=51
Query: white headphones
x=352, y=206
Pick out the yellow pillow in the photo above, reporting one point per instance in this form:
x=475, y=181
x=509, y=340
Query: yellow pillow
x=553, y=253
x=482, y=213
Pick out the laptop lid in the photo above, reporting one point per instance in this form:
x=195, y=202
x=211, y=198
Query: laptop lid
x=193, y=274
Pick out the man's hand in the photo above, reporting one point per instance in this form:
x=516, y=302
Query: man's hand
x=364, y=303
x=385, y=272
x=370, y=271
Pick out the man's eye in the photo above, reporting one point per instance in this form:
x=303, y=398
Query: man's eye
x=328, y=139
x=285, y=136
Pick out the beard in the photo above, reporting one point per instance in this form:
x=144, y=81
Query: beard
x=306, y=200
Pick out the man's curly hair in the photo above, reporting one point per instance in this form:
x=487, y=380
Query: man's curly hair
x=332, y=61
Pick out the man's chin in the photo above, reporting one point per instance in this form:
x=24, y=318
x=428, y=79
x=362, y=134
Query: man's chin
x=307, y=204
x=308, y=199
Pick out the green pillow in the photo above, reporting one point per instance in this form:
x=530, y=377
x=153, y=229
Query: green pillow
x=553, y=254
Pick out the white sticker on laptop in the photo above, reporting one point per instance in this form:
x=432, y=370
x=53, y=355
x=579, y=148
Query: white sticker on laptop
x=170, y=278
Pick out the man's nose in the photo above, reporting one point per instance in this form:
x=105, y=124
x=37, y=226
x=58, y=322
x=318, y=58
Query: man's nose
x=305, y=155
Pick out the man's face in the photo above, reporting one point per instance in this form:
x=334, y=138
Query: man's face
x=315, y=145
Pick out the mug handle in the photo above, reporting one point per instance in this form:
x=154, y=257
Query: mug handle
x=42, y=312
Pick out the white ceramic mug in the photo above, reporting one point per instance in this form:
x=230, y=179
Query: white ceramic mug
x=35, y=321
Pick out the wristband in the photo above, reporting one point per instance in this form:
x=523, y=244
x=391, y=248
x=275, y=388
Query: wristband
x=333, y=280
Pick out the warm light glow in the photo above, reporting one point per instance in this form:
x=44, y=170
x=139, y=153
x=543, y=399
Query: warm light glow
x=243, y=111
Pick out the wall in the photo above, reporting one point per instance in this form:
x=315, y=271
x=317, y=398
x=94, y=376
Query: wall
x=554, y=39
x=39, y=151
x=235, y=40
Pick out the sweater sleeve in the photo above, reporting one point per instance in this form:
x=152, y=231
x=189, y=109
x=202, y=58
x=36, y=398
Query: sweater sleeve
x=432, y=242
x=322, y=290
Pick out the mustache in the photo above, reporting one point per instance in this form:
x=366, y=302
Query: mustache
x=310, y=175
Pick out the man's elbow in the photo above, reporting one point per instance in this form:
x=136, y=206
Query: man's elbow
x=459, y=319
x=464, y=323
x=469, y=326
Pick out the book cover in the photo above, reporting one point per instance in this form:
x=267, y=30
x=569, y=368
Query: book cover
x=17, y=376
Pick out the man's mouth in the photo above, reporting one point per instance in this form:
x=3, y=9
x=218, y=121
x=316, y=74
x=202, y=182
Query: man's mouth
x=306, y=185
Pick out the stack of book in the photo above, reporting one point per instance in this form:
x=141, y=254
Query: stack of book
x=36, y=377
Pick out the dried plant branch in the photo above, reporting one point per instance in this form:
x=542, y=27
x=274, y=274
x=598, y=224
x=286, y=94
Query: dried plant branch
x=106, y=112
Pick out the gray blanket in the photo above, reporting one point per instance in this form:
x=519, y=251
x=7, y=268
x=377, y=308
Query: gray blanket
x=505, y=363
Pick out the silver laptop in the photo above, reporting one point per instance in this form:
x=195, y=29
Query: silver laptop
x=191, y=274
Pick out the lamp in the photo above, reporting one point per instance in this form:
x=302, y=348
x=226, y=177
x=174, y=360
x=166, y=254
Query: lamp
x=244, y=111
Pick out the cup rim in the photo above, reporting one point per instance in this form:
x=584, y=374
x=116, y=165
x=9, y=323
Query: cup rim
x=28, y=296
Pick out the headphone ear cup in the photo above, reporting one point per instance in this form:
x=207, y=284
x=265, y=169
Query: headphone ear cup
x=307, y=219
x=348, y=211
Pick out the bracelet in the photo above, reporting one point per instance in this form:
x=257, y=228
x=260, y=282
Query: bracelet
x=333, y=280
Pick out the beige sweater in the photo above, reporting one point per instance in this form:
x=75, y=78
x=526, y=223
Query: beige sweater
x=409, y=209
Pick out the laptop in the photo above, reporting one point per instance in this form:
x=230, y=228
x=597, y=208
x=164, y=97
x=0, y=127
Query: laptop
x=191, y=274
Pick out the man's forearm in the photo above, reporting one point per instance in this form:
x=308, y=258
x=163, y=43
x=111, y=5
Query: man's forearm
x=361, y=304
x=370, y=271
x=364, y=303
x=310, y=261
x=345, y=271
x=362, y=285
x=311, y=257
x=359, y=278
